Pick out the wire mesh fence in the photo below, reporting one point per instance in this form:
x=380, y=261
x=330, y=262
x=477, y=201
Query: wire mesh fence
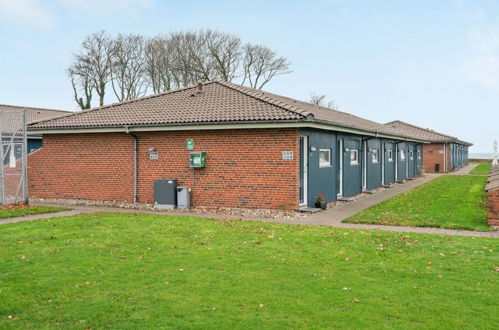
x=13, y=153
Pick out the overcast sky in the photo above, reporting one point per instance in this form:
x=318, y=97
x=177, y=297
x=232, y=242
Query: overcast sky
x=431, y=63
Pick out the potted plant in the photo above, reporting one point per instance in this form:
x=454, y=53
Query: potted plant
x=320, y=202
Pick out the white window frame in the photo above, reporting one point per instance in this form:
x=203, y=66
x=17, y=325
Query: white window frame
x=375, y=156
x=402, y=154
x=390, y=155
x=325, y=164
x=419, y=154
x=356, y=160
x=411, y=154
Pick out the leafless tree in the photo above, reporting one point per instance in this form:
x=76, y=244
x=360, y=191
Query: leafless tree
x=95, y=55
x=128, y=67
x=225, y=53
x=133, y=65
x=261, y=64
x=80, y=81
x=158, y=65
x=320, y=100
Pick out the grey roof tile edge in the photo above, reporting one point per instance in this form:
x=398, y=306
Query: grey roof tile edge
x=445, y=136
x=75, y=113
x=261, y=96
x=20, y=107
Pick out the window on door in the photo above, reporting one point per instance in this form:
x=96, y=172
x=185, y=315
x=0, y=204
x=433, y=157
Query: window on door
x=375, y=156
x=402, y=154
x=419, y=154
x=411, y=154
x=390, y=155
x=324, y=157
x=354, y=157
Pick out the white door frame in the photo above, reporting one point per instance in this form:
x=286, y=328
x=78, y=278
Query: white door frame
x=340, y=167
x=304, y=169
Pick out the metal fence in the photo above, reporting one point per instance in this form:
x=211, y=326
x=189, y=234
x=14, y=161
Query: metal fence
x=13, y=153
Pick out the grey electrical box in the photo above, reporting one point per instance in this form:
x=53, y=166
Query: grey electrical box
x=183, y=199
x=165, y=194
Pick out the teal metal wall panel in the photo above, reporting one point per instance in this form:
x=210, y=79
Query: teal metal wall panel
x=411, y=160
x=389, y=165
x=401, y=161
x=352, y=171
x=419, y=158
x=374, y=167
x=321, y=180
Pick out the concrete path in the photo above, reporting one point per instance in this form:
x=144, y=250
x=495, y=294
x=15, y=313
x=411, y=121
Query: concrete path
x=464, y=170
x=41, y=216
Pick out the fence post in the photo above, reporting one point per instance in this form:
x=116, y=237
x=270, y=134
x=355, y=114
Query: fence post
x=25, y=159
x=2, y=162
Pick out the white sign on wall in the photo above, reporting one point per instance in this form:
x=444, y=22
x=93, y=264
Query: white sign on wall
x=287, y=155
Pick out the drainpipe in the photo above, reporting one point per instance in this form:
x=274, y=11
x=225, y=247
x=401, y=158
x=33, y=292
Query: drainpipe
x=135, y=163
x=445, y=157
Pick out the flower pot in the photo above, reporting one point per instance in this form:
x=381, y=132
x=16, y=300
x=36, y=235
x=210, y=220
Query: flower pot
x=321, y=205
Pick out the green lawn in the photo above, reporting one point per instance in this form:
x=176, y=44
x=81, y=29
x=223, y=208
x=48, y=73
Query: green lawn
x=132, y=271
x=22, y=210
x=451, y=201
x=481, y=169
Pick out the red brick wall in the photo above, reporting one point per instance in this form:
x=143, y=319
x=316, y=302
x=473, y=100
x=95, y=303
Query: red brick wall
x=244, y=167
x=432, y=156
x=493, y=206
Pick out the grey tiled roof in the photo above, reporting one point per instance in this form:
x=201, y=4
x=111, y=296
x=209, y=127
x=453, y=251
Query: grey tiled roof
x=34, y=114
x=425, y=133
x=11, y=116
x=218, y=102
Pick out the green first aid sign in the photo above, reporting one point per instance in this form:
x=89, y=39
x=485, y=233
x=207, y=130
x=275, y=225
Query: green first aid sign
x=190, y=144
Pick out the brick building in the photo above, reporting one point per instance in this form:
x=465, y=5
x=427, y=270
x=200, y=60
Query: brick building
x=262, y=150
x=443, y=153
x=492, y=189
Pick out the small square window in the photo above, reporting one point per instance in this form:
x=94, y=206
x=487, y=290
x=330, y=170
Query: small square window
x=324, y=157
x=402, y=154
x=354, y=157
x=390, y=155
x=375, y=156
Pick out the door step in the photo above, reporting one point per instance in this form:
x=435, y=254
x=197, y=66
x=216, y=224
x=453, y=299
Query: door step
x=345, y=199
x=309, y=209
x=388, y=186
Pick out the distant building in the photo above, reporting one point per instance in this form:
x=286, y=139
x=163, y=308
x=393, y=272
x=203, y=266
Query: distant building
x=35, y=140
x=443, y=153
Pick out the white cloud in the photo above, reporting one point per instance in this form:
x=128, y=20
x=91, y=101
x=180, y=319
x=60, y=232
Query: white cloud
x=26, y=13
x=99, y=7
x=483, y=65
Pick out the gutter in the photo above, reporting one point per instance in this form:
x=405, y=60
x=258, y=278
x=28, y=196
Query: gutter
x=308, y=122
x=135, y=164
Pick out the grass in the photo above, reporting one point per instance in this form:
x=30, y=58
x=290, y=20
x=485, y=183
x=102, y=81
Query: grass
x=481, y=169
x=451, y=201
x=13, y=211
x=131, y=271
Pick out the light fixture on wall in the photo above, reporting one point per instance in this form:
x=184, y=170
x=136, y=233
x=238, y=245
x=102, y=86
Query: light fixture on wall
x=313, y=149
x=152, y=149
